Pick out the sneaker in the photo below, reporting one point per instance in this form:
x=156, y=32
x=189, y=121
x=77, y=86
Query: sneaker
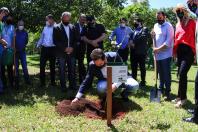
x=180, y=103
x=175, y=100
x=191, y=111
x=191, y=120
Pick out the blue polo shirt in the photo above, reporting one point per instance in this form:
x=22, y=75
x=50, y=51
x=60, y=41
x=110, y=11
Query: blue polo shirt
x=21, y=40
x=122, y=35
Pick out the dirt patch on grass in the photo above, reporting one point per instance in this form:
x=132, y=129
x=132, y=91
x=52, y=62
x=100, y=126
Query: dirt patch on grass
x=95, y=109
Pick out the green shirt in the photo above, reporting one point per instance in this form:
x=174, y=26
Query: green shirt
x=1, y=27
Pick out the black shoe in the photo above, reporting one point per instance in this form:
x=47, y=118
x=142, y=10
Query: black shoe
x=42, y=85
x=28, y=82
x=53, y=84
x=2, y=92
x=191, y=120
x=167, y=97
x=64, y=90
x=191, y=111
x=142, y=83
x=124, y=97
x=16, y=86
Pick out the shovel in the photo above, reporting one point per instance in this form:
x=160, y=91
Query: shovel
x=155, y=93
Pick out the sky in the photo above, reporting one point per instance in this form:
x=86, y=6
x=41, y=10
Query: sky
x=163, y=3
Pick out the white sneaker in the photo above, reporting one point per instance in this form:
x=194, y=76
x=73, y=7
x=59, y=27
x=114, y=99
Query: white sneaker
x=175, y=100
x=180, y=103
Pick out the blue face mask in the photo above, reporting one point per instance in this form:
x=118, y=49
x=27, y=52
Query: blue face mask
x=4, y=18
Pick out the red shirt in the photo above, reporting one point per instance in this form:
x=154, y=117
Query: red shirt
x=185, y=35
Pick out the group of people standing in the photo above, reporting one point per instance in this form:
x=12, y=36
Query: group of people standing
x=67, y=44
x=12, y=50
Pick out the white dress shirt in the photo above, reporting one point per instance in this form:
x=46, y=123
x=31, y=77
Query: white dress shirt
x=67, y=32
x=46, y=39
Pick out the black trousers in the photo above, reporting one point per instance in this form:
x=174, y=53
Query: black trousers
x=71, y=74
x=124, y=54
x=185, y=60
x=80, y=55
x=47, y=54
x=9, y=73
x=135, y=61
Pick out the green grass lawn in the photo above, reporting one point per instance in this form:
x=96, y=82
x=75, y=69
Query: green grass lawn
x=32, y=109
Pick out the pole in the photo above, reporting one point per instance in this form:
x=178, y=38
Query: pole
x=109, y=95
x=14, y=67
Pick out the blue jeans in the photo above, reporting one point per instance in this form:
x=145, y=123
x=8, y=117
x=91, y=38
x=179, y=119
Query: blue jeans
x=164, y=70
x=70, y=60
x=21, y=55
x=129, y=86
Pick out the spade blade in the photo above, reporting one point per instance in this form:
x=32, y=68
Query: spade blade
x=155, y=95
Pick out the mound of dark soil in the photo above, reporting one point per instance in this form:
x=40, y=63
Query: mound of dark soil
x=91, y=109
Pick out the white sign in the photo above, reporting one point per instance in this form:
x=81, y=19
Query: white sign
x=119, y=73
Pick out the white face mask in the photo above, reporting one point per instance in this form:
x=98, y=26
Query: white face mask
x=122, y=25
x=21, y=27
x=47, y=23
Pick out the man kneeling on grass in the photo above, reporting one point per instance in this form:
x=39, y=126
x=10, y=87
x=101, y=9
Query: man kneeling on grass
x=98, y=68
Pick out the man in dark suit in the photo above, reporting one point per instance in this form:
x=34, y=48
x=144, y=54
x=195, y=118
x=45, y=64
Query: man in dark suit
x=80, y=48
x=64, y=37
x=138, y=48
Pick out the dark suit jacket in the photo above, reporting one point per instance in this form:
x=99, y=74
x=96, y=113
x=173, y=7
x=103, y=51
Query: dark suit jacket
x=61, y=41
x=77, y=26
x=81, y=45
x=140, y=40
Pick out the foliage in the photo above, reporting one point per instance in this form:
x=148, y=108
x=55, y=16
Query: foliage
x=34, y=11
x=142, y=11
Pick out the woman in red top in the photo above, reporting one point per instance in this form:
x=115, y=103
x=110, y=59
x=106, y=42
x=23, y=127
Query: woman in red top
x=184, y=49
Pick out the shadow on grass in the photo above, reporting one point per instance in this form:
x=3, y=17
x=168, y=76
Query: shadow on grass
x=113, y=128
x=177, y=81
x=188, y=105
x=30, y=94
x=143, y=92
x=161, y=126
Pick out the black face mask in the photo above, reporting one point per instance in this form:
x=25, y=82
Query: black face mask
x=8, y=22
x=66, y=23
x=160, y=21
x=180, y=15
x=90, y=25
x=4, y=19
x=192, y=7
x=136, y=25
